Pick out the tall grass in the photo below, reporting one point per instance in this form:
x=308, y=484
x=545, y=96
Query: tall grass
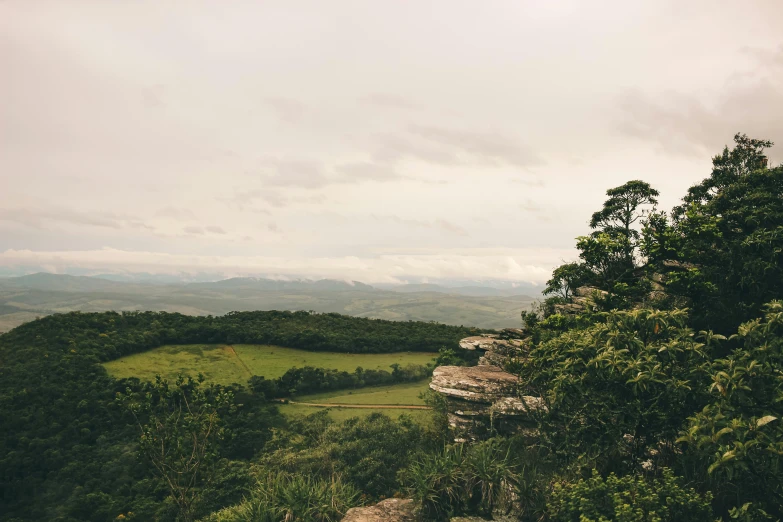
x=283, y=497
x=478, y=479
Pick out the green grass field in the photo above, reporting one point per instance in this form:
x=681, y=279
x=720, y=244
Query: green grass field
x=407, y=394
x=222, y=364
x=341, y=414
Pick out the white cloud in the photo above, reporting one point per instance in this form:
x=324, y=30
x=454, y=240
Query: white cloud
x=523, y=265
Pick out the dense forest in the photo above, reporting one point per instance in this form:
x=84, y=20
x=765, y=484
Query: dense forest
x=66, y=448
x=658, y=355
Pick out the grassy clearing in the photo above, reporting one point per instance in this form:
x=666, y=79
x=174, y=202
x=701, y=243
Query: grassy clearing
x=223, y=364
x=407, y=394
x=341, y=414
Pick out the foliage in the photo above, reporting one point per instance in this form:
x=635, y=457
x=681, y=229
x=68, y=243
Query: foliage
x=180, y=429
x=313, y=380
x=66, y=448
x=619, y=389
x=367, y=452
x=740, y=432
x=628, y=499
x=282, y=497
x=462, y=479
x=722, y=249
x=565, y=279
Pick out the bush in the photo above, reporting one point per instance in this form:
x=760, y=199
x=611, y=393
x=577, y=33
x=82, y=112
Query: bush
x=462, y=480
x=284, y=496
x=628, y=499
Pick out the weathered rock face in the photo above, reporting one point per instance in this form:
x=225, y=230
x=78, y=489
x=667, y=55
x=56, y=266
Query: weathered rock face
x=389, y=510
x=482, y=398
x=583, y=296
x=497, y=351
x=481, y=384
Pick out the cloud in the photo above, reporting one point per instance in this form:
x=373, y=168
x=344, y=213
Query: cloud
x=489, y=148
x=193, y=230
x=440, y=224
x=453, y=228
x=365, y=170
x=390, y=101
x=766, y=57
x=300, y=173
x=287, y=109
x=40, y=218
x=528, y=265
x=394, y=147
x=175, y=213
x=453, y=147
x=750, y=101
x=247, y=199
x=153, y=96
x=212, y=229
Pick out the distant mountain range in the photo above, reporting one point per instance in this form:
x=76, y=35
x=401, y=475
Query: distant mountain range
x=26, y=297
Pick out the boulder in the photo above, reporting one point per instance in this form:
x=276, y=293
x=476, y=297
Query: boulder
x=482, y=384
x=389, y=510
x=490, y=343
x=482, y=400
x=589, y=291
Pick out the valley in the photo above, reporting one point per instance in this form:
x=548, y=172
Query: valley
x=24, y=298
x=235, y=364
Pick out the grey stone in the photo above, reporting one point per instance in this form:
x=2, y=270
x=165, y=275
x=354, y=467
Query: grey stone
x=389, y=510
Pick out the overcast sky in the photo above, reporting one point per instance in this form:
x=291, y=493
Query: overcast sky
x=368, y=140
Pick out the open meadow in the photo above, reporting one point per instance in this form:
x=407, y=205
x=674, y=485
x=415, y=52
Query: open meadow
x=228, y=364
x=406, y=394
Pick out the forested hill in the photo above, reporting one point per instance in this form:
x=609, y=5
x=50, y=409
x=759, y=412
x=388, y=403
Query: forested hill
x=63, y=448
x=109, y=335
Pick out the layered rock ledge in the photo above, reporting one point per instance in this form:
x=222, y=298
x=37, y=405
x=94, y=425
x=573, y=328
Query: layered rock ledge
x=389, y=510
x=482, y=398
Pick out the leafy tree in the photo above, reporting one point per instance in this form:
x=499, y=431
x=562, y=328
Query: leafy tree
x=722, y=250
x=609, y=254
x=180, y=429
x=622, y=211
x=565, y=279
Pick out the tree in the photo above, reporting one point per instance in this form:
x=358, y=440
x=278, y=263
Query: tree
x=722, y=250
x=565, y=279
x=730, y=166
x=623, y=210
x=180, y=429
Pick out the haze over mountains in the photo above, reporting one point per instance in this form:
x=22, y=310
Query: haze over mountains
x=24, y=298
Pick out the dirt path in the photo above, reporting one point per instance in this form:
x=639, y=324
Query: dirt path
x=230, y=349
x=360, y=406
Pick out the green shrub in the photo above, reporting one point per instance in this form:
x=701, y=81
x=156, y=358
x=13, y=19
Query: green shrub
x=462, y=480
x=294, y=498
x=628, y=499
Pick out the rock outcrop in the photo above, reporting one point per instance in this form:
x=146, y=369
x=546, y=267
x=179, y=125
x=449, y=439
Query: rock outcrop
x=497, y=350
x=389, y=510
x=482, y=398
x=583, y=296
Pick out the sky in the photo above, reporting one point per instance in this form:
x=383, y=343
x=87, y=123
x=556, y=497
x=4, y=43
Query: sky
x=363, y=140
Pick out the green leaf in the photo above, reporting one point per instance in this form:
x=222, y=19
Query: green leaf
x=765, y=420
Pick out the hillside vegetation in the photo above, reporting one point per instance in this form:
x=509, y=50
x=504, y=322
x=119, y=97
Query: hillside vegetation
x=64, y=451
x=658, y=356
